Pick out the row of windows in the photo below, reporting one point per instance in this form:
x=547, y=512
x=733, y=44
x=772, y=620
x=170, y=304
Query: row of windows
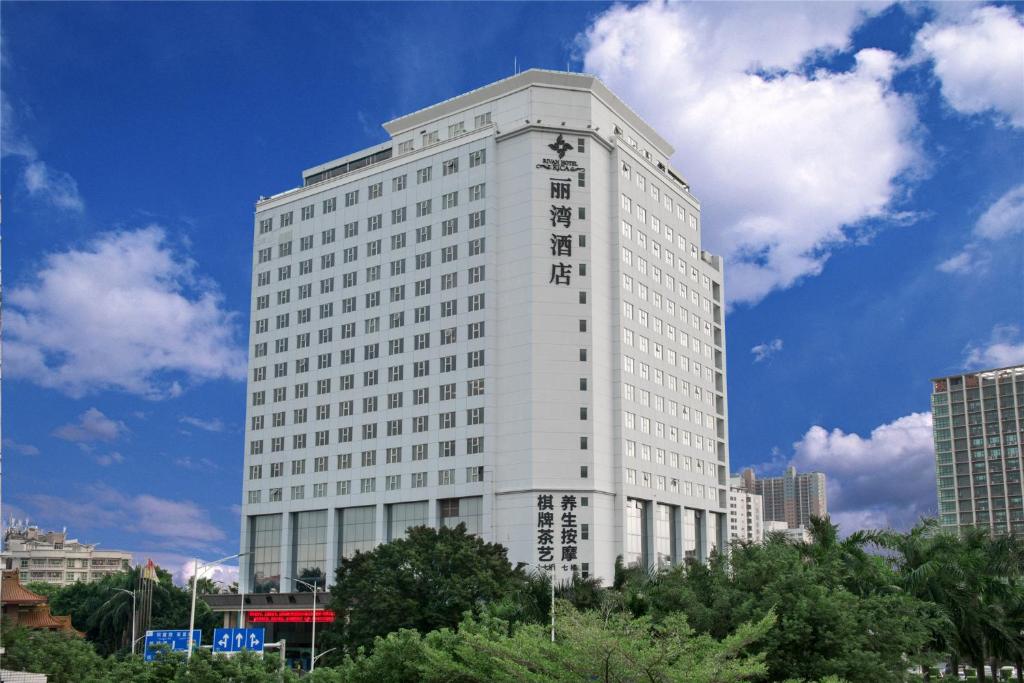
x=368, y=458
x=663, y=483
x=671, y=459
x=324, y=361
x=351, y=254
x=392, y=482
x=371, y=404
x=374, y=191
x=655, y=192
x=396, y=319
x=646, y=399
x=369, y=430
x=398, y=240
x=684, y=362
x=474, y=275
x=670, y=432
x=419, y=424
x=670, y=260
x=432, y=137
x=395, y=373
x=660, y=352
x=661, y=378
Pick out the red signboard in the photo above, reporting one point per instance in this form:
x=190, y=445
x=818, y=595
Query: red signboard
x=287, y=616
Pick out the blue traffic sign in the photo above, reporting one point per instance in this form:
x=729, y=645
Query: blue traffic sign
x=172, y=640
x=237, y=639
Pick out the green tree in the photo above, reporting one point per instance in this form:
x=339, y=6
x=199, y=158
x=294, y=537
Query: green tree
x=423, y=582
x=67, y=658
x=63, y=657
x=974, y=579
x=105, y=614
x=589, y=647
x=839, y=613
x=43, y=588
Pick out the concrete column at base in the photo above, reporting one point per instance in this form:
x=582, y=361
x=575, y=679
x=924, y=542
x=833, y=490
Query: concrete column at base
x=286, y=553
x=433, y=518
x=649, y=551
x=331, y=561
x=380, y=523
x=678, y=535
x=703, y=547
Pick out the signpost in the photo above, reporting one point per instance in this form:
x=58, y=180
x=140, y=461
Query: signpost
x=237, y=639
x=171, y=640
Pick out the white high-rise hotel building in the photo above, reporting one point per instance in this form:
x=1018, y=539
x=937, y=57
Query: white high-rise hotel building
x=501, y=316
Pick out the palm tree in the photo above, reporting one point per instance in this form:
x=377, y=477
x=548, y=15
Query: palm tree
x=973, y=578
x=861, y=572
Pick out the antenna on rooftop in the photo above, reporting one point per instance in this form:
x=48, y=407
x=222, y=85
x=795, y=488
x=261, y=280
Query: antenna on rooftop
x=515, y=65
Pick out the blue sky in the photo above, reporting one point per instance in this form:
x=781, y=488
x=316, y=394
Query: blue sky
x=860, y=167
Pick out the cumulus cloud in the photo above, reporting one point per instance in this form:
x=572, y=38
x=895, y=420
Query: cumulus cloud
x=1004, y=348
x=200, y=464
x=224, y=574
x=790, y=162
x=125, y=311
x=42, y=181
x=212, y=425
x=92, y=425
x=180, y=523
x=1003, y=218
x=766, y=350
x=886, y=479
x=24, y=449
x=979, y=59
x=112, y=458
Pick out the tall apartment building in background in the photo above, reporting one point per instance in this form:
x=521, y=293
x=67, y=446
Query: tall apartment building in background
x=52, y=557
x=978, y=425
x=746, y=514
x=503, y=317
x=793, y=498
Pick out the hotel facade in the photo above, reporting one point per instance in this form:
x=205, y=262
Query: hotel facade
x=503, y=316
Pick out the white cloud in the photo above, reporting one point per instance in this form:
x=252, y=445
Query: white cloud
x=788, y=164
x=178, y=523
x=979, y=59
x=1004, y=348
x=112, y=458
x=886, y=479
x=1004, y=218
x=970, y=260
x=92, y=425
x=126, y=311
x=23, y=448
x=766, y=350
x=57, y=187
x=201, y=464
x=41, y=181
x=212, y=425
x=225, y=574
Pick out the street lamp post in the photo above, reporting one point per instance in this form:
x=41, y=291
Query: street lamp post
x=195, y=583
x=313, y=587
x=131, y=593
x=551, y=576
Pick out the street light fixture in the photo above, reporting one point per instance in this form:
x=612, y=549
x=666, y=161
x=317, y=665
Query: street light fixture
x=550, y=571
x=131, y=593
x=313, y=587
x=241, y=600
x=195, y=583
